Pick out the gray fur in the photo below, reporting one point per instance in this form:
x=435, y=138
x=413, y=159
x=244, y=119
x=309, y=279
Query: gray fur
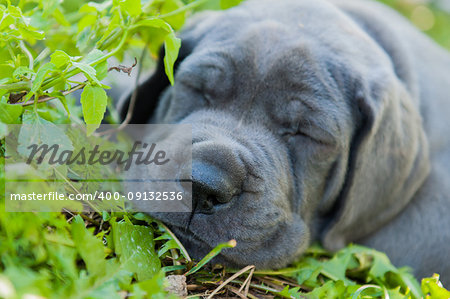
x=330, y=120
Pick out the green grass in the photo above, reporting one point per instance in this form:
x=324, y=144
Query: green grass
x=57, y=255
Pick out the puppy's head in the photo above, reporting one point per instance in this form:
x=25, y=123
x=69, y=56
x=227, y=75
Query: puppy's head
x=301, y=130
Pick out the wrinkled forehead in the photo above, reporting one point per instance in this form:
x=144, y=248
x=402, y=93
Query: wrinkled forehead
x=266, y=26
x=279, y=56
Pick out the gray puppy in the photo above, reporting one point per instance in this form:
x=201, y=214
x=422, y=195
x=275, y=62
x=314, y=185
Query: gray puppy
x=312, y=120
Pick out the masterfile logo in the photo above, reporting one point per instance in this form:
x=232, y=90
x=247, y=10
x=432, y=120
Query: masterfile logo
x=143, y=168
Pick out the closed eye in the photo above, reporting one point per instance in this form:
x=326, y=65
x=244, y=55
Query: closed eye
x=197, y=89
x=305, y=129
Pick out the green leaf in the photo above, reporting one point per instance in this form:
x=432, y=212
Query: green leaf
x=290, y=293
x=225, y=4
x=89, y=17
x=36, y=130
x=91, y=249
x=22, y=71
x=172, y=46
x=40, y=76
x=330, y=289
x=49, y=7
x=153, y=23
x=433, y=287
x=93, y=102
x=176, y=21
x=60, y=59
x=101, y=69
x=136, y=249
x=131, y=7
x=171, y=244
x=93, y=56
x=381, y=265
x=60, y=18
x=88, y=70
x=9, y=113
x=171, y=42
x=336, y=267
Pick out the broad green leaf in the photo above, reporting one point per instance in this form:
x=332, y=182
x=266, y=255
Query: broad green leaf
x=136, y=249
x=93, y=56
x=36, y=130
x=22, y=71
x=153, y=23
x=433, y=288
x=93, y=101
x=288, y=292
x=171, y=42
x=49, y=7
x=336, y=267
x=30, y=33
x=89, y=18
x=9, y=113
x=329, y=289
x=101, y=69
x=40, y=76
x=172, y=46
x=131, y=7
x=91, y=249
x=88, y=70
x=176, y=21
x=60, y=59
x=7, y=20
x=60, y=17
x=381, y=265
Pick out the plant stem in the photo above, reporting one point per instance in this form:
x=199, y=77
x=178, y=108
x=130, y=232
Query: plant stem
x=28, y=54
x=46, y=99
x=17, y=86
x=183, y=9
x=54, y=81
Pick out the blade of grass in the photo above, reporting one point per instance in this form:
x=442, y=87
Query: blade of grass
x=211, y=255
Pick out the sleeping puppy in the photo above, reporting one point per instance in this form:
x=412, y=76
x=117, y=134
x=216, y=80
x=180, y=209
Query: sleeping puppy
x=312, y=120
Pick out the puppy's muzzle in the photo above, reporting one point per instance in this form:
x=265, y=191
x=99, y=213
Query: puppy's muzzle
x=216, y=175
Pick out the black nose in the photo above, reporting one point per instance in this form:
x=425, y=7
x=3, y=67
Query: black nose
x=211, y=186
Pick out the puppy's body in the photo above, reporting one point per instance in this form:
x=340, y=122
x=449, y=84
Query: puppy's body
x=420, y=235
x=332, y=118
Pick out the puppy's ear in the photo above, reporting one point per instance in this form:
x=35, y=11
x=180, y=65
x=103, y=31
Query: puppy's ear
x=150, y=90
x=388, y=161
